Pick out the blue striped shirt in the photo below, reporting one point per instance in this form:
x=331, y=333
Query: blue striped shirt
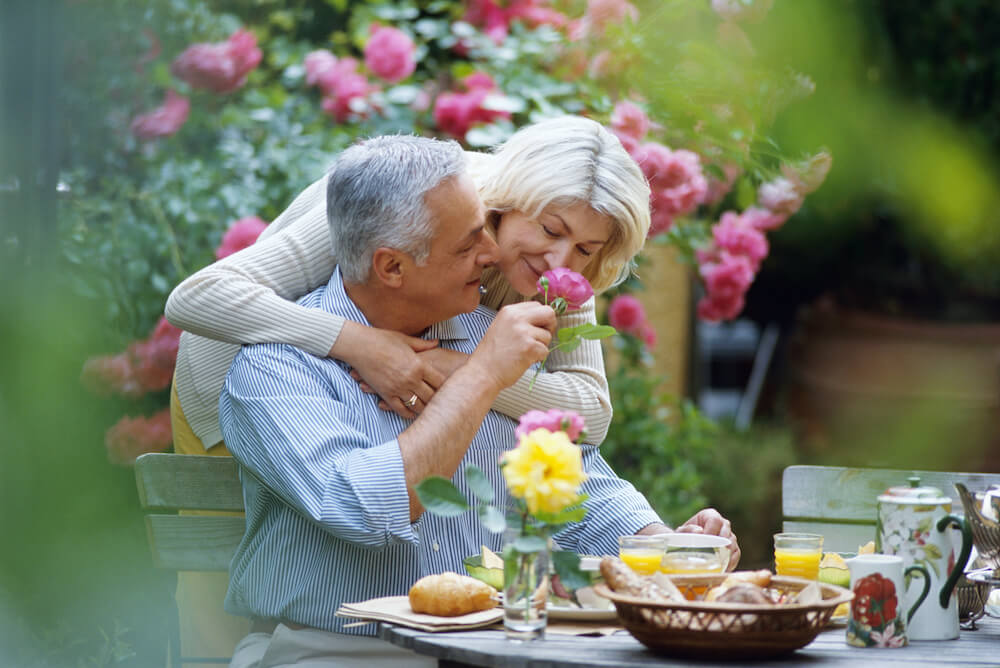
x=326, y=503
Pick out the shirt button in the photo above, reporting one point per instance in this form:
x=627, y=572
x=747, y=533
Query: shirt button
x=435, y=546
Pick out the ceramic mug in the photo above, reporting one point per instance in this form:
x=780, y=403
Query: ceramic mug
x=877, y=617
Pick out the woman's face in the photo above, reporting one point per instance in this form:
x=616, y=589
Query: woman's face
x=560, y=237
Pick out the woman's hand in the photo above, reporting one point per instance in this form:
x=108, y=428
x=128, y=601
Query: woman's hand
x=387, y=363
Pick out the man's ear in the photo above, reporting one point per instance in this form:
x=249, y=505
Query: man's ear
x=389, y=265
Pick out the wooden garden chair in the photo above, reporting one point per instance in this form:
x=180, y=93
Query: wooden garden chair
x=170, y=483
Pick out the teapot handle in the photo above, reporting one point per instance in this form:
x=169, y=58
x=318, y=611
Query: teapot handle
x=927, y=587
x=956, y=572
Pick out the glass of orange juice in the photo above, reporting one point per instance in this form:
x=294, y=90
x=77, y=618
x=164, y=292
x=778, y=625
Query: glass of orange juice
x=642, y=554
x=798, y=554
x=694, y=554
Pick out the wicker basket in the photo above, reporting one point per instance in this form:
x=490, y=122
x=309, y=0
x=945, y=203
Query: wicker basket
x=725, y=630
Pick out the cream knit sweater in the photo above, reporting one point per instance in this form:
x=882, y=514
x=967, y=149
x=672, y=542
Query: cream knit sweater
x=249, y=297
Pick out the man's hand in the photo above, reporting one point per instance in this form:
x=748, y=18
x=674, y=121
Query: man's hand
x=709, y=521
x=519, y=337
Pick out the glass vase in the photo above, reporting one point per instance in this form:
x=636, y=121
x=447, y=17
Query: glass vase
x=526, y=586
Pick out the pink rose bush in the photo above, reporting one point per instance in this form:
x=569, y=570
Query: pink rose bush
x=163, y=121
x=742, y=10
x=554, y=420
x=456, y=112
x=221, y=67
x=148, y=366
x=389, y=54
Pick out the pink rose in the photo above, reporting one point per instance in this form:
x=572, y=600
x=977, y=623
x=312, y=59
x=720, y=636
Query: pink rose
x=626, y=313
x=164, y=120
x=479, y=80
x=111, y=374
x=131, y=437
x=347, y=93
x=490, y=16
x=221, y=67
x=389, y=54
x=317, y=64
x=728, y=275
x=455, y=113
x=628, y=119
x=648, y=334
x=734, y=234
x=715, y=309
x=675, y=178
x=554, y=420
x=780, y=196
x=568, y=285
x=240, y=234
x=533, y=16
x=763, y=219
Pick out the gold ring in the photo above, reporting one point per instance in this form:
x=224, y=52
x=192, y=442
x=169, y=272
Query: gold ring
x=411, y=402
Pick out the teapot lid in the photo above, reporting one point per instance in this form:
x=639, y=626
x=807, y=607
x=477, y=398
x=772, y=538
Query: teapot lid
x=914, y=493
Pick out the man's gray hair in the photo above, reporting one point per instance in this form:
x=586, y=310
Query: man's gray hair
x=375, y=198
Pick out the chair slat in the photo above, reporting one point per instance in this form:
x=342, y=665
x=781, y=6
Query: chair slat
x=194, y=542
x=190, y=482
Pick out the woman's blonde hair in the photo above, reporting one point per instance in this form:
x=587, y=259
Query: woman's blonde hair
x=564, y=161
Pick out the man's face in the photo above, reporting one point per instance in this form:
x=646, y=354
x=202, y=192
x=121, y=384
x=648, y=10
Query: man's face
x=447, y=283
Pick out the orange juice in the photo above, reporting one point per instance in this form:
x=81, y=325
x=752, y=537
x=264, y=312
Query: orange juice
x=643, y=562
x=803, y=563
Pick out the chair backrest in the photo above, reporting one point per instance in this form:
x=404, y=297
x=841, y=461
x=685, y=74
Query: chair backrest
x=169, y=484
x=841, y=503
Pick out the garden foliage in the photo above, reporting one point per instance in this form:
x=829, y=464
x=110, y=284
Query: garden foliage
x=213, y=116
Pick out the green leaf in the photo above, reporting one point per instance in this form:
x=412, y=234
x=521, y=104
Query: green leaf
x=479, y=484
x=932, y=551
x=528, y=544
x=491, y=518
x=594, y=332
x=567, y=567
x=570, y=346
x=440, y=497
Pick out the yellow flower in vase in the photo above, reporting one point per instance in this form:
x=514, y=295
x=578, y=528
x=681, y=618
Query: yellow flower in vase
x=545, y=470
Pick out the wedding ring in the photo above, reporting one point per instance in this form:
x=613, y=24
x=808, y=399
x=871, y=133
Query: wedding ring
x=411, y=402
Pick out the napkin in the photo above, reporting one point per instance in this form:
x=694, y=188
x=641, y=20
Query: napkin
x=396, y=610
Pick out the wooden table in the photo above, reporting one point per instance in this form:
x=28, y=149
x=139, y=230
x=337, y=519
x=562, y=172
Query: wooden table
x=491, y=648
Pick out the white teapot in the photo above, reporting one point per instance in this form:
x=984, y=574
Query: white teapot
x=914, y=523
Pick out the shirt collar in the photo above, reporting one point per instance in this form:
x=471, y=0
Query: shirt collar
x=335, y=300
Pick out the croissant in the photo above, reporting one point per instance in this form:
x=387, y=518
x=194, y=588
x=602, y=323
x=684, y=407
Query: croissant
x=450, y=594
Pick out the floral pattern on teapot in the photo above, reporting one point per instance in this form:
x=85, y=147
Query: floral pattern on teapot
x=905, y=531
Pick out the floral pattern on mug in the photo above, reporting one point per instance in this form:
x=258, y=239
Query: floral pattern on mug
x=874, y=620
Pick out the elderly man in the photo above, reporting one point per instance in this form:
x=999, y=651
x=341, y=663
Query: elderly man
x=328, y=477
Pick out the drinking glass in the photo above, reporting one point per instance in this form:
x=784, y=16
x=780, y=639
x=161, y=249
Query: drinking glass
x=694, y=554
x=798, y=554
x=642, y=554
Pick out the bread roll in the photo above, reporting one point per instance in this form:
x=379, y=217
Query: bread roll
x=450, y=594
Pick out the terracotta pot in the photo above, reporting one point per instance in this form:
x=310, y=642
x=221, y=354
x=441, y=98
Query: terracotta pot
x=877, y=390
